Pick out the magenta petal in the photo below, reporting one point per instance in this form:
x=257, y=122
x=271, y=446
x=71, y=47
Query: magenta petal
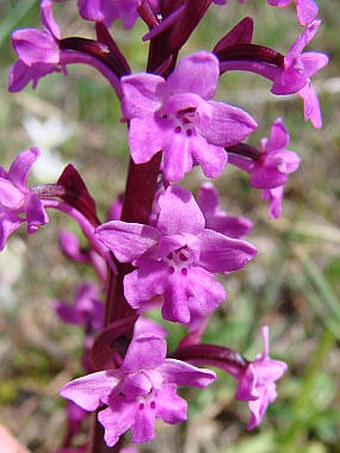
x=20, y=74
x=306, y=36
x=177, y=156
x=170, y=407
x=311, y=105
x=279, y=137
x=207, y=292
x=307, y=10
x=258, y=407
x=143, y=430
x=279, y=3
x=179, y=212
x=208, y=199
x=8, y=224
x=145, y=138
x=246, y=388
x=67, y=313
x=234, y=227
x=176, y=295
x=35, y=214
x=211, y=158
x=145, y=352
x=47, y=19
x=222, y=254
x=266, y=177
x=35, y=46
x=275, y=197
x=91, y=391
x=143, y=93
x=117, y=420
x=10, y=196
x=196, y=73
x=21, y=166
x=227, y=125
x=313, y=62
x=144, y=283
x=127, y=241
x=91, y=10
x=182, y=373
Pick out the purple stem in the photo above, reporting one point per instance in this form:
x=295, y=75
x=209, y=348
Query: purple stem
x=70, y=57
x=207, y=354
x=263, y=69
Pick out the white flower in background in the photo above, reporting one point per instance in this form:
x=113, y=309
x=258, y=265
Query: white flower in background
x=48, y=136
x=11, y=267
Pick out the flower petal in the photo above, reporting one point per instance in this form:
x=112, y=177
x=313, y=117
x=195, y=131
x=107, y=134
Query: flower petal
x=227, y=125
x=182, y=373
x=127, y=241
x=117, y=419
x=196, y=73
x=222, y=254
x=21, y=166
x=143, y=93
x=145, y=352
x=179, y=212
x=91, y=391
x=170, y=407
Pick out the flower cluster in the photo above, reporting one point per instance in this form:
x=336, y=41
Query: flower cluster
x=160, y=247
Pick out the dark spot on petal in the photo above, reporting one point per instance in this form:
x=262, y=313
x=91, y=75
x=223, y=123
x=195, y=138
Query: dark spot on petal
x=183, y=257
x=184, y=271
x=178, y=129
x=171, y=270
x=189, y=132
x=141, y=406
x=153, y=405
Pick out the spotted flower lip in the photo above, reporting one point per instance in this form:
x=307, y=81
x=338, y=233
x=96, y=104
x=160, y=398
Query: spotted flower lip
x=176, y=258
x=17, y=202
x=142, y=389
x=176, y=116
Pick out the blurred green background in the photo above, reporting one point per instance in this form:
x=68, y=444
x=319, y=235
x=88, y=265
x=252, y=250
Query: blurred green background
x=293, y=285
